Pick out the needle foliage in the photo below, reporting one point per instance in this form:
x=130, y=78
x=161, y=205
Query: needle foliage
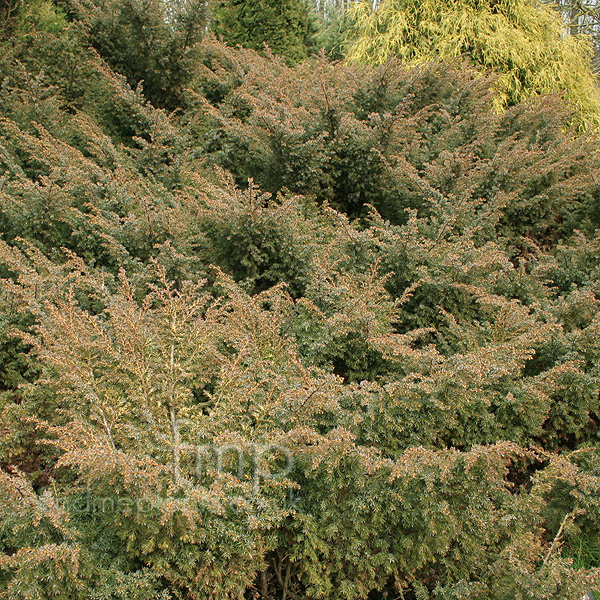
x=325, y=331
x=524, y=41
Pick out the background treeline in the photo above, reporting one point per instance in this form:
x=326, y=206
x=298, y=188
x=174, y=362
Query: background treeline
x=369, y=266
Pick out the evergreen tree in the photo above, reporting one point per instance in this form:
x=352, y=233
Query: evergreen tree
x=523, y=40
x=28, y=15
x=582, y=17
x=148, y=42
x=286, y=26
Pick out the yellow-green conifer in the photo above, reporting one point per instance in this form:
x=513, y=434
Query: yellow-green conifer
x=523, y=40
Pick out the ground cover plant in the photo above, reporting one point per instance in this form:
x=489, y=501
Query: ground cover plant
x=273, y=330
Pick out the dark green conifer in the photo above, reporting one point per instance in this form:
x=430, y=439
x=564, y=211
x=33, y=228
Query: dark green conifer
x=285, y=26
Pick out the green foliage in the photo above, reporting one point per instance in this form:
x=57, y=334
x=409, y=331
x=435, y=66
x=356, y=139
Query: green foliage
x=22, y=16
x=258, y=241
x=42, y=15
x=141, y=41
x=362, y=364
x=333, y=23
x=286, y=26
x=400, y=139
x=524, y=41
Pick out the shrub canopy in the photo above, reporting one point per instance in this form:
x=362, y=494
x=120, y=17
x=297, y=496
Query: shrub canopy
x=326, y=331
